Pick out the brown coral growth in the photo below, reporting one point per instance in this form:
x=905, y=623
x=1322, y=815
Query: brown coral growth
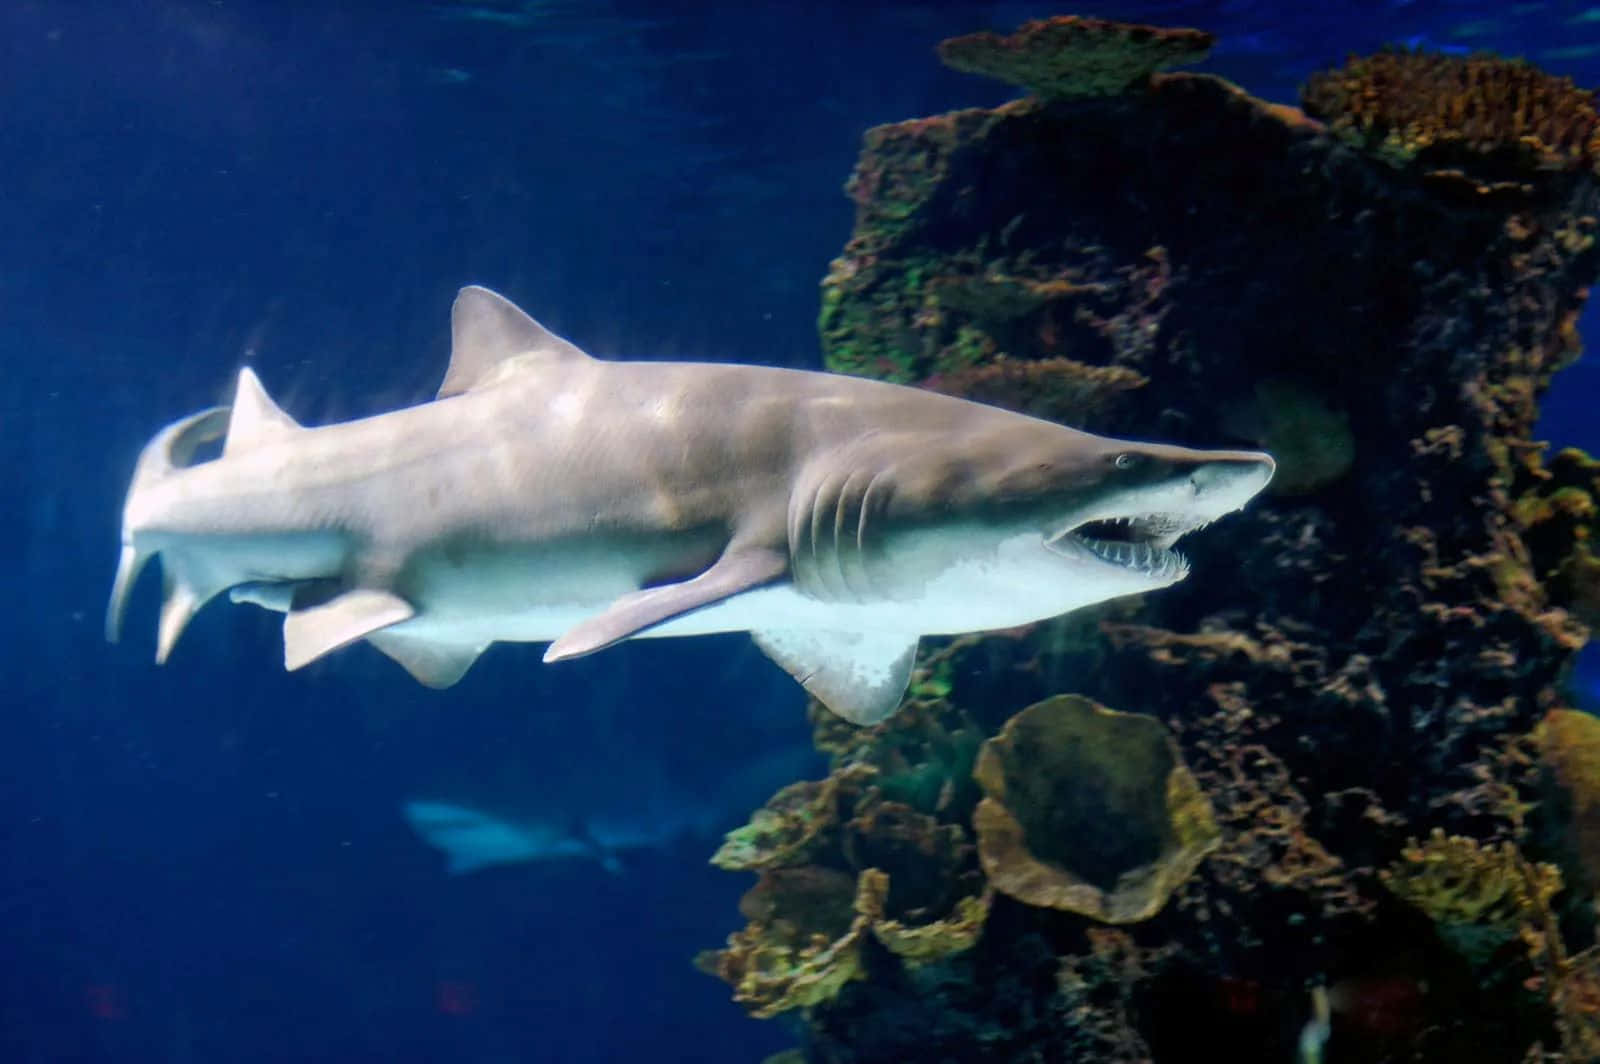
x=1451, y=111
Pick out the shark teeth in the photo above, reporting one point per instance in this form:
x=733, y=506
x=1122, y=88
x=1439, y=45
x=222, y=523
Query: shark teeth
x=1149, y=558
x=1138, y=542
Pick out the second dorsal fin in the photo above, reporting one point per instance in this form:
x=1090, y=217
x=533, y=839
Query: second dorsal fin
x=487, y=329
x=255, y=418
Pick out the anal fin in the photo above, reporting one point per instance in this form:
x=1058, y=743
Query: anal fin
x=861, y=676
x=430, y=664
x=735, y=571
x=310, y=633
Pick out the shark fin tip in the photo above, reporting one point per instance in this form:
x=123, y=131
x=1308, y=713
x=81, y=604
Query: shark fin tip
x=255, y=418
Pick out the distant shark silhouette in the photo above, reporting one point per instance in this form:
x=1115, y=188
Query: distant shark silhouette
x=476, y=831
x=548, y=495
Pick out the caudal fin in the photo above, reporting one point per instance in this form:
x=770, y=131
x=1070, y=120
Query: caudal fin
x=252, y=420
x=173, y=448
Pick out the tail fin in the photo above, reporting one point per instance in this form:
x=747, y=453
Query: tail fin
x=470, y=840
x=172, y=448
x=252, y=420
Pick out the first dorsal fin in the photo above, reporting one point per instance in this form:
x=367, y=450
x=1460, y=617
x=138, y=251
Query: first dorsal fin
x=256, y=419
x=486, y=330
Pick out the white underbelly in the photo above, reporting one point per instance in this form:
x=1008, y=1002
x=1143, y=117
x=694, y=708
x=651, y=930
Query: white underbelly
x=535, y=602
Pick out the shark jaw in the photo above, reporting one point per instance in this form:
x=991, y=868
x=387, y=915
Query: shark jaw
x=1134, y=531
x=1130, y=545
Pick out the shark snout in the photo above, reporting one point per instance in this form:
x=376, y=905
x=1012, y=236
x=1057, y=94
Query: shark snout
x=1232, y=475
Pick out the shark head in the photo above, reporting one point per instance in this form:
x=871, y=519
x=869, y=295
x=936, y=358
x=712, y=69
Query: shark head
x=1121, y=522
x=1015, y=521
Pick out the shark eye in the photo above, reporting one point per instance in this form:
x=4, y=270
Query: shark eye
x=1126, y=461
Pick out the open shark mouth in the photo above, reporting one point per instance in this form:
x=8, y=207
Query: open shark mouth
x=1140, y=544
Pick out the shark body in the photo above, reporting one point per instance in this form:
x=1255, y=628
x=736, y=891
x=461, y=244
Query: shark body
x=546, y=495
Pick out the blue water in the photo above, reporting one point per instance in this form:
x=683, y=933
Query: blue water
x=206, y=861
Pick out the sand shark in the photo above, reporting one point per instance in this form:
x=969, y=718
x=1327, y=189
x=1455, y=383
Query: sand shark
x=603, y=817
x=549, y=496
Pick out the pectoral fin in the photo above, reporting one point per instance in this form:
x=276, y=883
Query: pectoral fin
x=861, y=676
x=317, y=630
x=735, y=571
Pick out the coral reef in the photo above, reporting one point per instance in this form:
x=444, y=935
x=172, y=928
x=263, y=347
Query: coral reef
x=1357, y=662
x=1070, y=56
x=1089, y=810
x=1482, y=113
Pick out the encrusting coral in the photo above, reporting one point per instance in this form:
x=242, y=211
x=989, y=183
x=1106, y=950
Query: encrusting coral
x=1089, y=810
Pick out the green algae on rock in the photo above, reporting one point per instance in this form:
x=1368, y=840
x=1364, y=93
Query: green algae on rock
x=1089, y=810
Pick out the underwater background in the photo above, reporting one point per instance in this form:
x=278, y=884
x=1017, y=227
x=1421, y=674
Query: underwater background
x=209, y=861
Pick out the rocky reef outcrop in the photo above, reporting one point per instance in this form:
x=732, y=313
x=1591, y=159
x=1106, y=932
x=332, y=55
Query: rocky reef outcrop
x=1382, y=819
